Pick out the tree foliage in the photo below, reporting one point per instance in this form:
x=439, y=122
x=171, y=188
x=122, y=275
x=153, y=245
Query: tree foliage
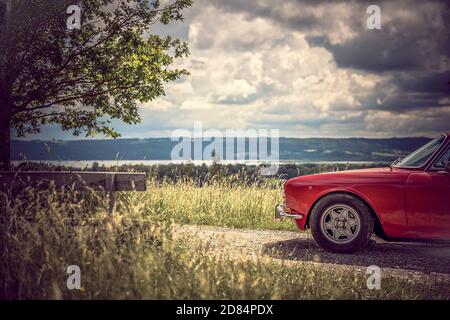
x=81, y=79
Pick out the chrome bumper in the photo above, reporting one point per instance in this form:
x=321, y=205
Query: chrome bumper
x=281, y=211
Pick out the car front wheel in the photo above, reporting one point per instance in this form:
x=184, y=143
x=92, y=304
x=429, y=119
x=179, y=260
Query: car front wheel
x=341, y=223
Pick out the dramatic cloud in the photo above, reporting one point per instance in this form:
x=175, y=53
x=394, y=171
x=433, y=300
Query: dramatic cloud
x=309, y=68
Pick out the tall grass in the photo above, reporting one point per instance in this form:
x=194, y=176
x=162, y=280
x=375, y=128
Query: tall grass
x=134, y=253
x=225, y=202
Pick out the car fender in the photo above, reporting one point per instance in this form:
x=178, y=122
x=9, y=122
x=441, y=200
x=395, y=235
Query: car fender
x=341, y=189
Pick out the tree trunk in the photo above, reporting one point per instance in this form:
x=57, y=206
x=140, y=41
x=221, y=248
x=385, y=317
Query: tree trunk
x=5, y=118
x=5, y=143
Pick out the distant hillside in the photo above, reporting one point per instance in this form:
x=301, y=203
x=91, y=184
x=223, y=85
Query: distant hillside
x=311, y=149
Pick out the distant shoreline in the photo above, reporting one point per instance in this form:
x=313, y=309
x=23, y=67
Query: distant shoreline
x=112, y=163
x=315, y=150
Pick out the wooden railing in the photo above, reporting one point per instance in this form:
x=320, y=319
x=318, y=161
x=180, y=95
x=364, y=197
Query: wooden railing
x=109, y=182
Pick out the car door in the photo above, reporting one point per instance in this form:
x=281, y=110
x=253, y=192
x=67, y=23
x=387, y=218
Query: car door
x=428, y=200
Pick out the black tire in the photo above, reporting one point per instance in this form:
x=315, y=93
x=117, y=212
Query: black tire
x=364, y=223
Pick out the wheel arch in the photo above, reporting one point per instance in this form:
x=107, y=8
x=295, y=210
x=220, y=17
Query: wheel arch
x=378, y=227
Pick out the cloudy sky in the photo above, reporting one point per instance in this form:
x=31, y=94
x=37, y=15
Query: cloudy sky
x=308, y=68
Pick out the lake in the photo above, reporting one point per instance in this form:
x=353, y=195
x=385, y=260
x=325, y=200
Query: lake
x=110, y=163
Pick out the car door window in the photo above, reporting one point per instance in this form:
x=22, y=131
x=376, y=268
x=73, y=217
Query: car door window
x=442, y=162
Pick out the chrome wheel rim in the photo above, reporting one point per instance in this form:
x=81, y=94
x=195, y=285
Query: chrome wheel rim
x=340, y=223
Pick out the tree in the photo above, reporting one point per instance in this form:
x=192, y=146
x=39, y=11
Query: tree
x=82, y=78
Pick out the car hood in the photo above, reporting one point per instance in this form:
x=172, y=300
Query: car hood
x=365, y=176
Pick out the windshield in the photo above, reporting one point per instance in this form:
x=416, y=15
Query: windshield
x=419, y=157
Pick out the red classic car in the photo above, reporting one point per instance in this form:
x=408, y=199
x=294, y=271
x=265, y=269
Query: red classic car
x=410, y=199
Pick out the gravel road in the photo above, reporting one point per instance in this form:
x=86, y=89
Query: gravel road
x=405, y=259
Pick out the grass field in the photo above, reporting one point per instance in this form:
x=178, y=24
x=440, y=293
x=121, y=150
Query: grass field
x=224, y=203
x=133, y=254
